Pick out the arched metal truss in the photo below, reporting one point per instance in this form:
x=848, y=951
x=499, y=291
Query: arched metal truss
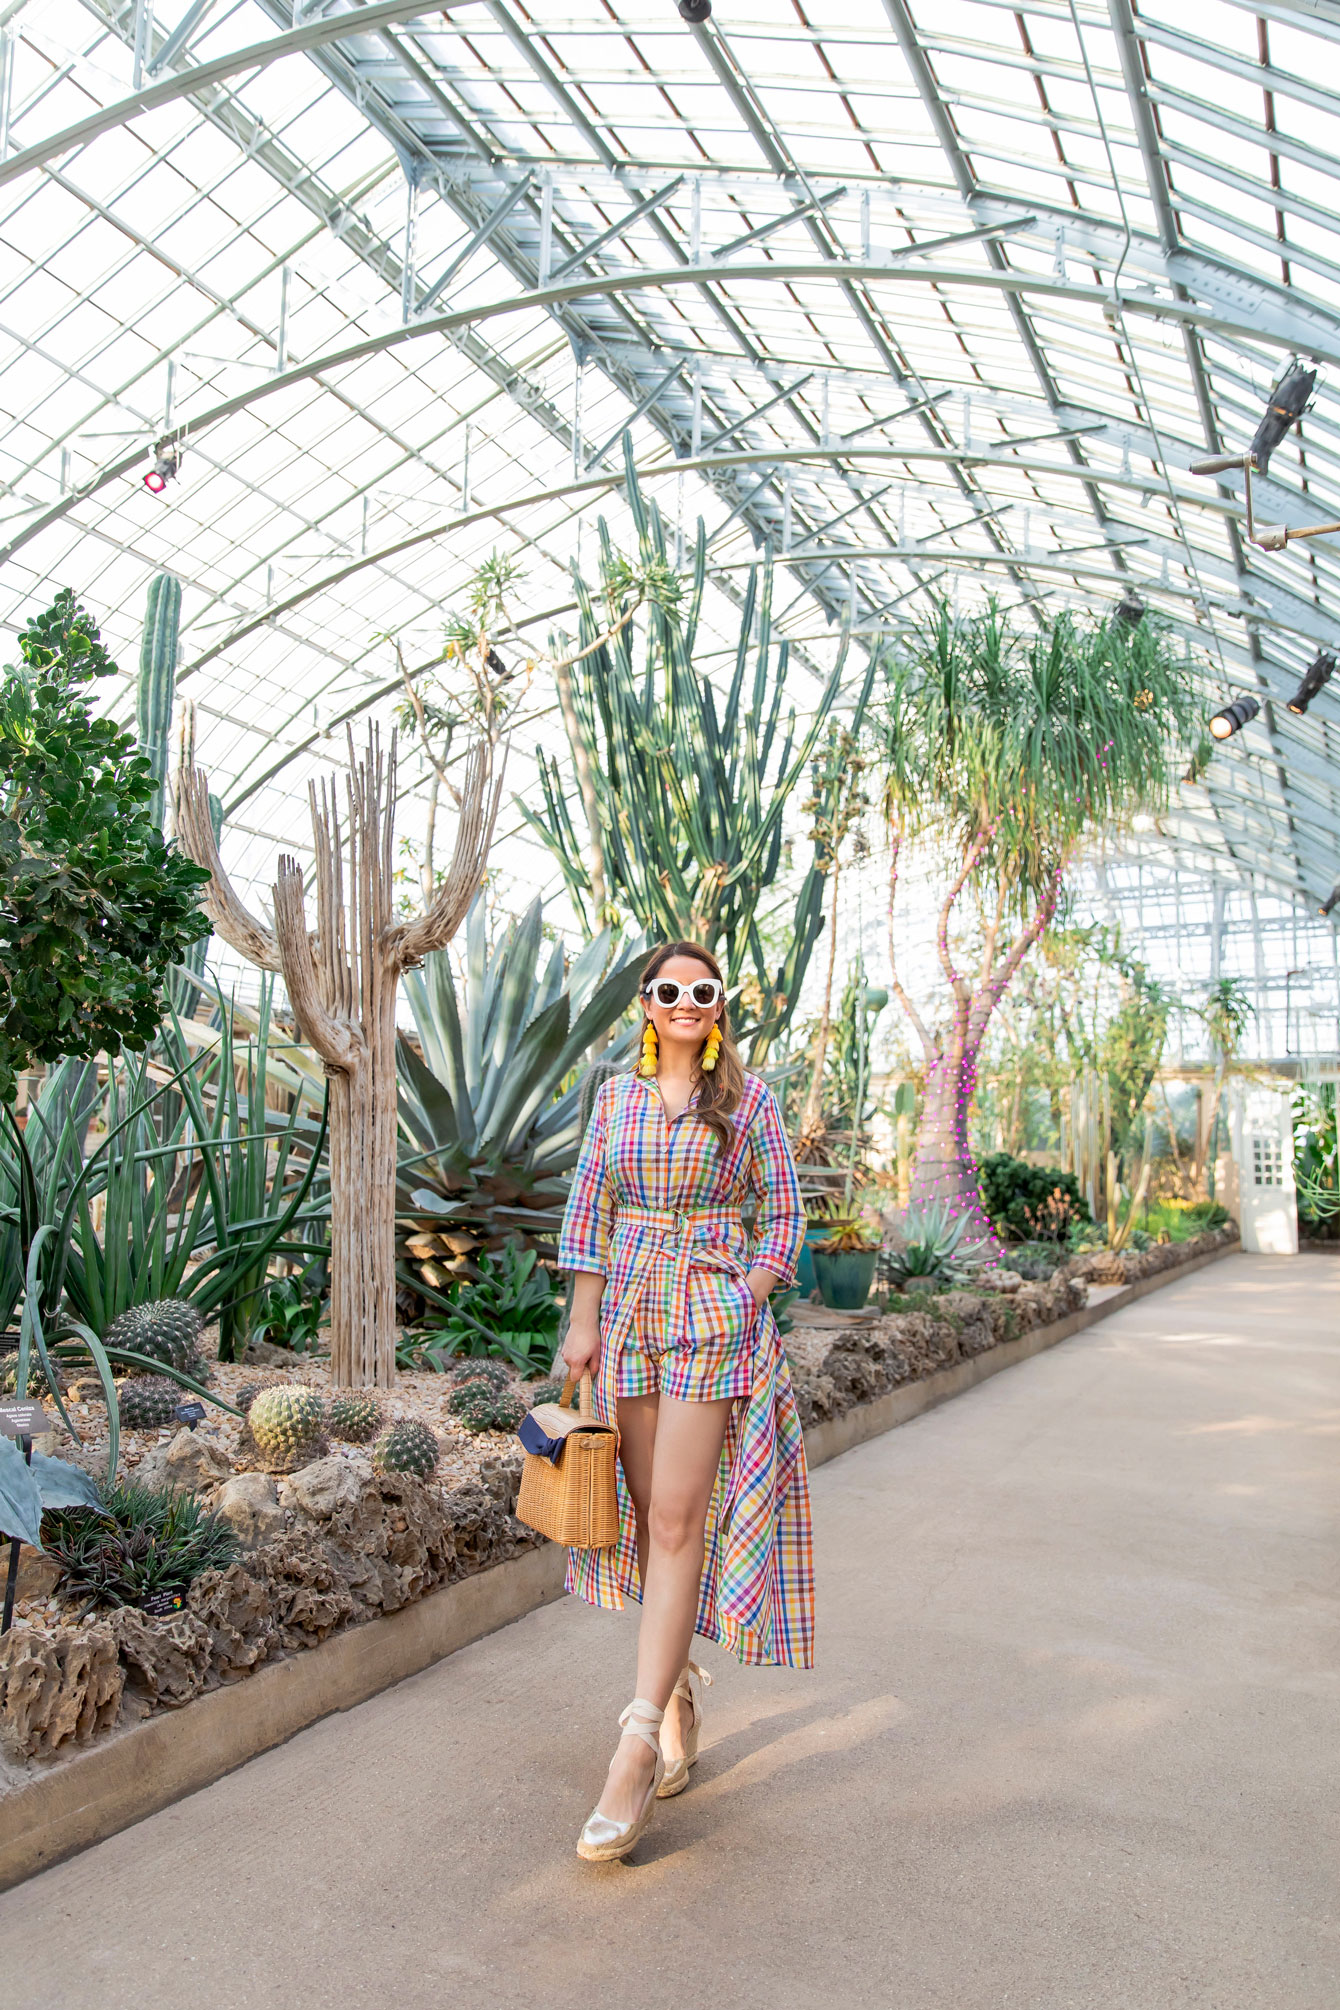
x=909, y=294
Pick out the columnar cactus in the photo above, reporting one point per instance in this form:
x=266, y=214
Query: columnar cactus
x=158, y=671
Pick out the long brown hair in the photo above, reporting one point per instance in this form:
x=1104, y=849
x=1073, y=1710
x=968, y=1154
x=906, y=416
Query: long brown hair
x=721, y=1091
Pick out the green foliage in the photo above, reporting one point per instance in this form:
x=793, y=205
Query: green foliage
x=140, y=1543
x=409, y=1446
x=490, y=1111
x=1011, y=745
x=96, y=907
x=848, y=1070
x=687, y=788
x=291, y=1315
x=1027, y=1203
x=200, y=1183
x=1132, y=1047
x=1316, y=1152
x=148, y=1402
x=478, y=1407
x=1225, y=1013
x=509, y=1309
x=30, y=1485
x=1035, y=1260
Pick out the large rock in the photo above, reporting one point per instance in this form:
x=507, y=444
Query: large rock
x=55, y=1687
x=167, y=1660
x=188, y=1464
x=326, y=1485
x=250, y=1503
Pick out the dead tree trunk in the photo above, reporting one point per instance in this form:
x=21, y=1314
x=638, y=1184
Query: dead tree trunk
x=341, y=980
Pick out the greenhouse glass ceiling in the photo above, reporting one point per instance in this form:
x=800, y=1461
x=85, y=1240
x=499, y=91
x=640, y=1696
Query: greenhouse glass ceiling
x=917, y=297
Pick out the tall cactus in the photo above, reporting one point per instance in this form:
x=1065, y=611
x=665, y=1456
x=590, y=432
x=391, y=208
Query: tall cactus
x=158, y=670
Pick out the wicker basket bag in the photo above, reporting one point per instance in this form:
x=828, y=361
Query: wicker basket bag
x=568, y=1489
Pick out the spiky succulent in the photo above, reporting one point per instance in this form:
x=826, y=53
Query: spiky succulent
x=249, y=1391
x=478, y=1407
x=354, y=1415
x=407, y=1447
x=288, y=1425
x=167, y=1329
x=147, y=1402
x=536, y=1393
x=486, y=1370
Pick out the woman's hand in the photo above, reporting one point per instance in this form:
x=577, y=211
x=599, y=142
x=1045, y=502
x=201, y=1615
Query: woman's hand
x=581, y=1350
x=761, y=1283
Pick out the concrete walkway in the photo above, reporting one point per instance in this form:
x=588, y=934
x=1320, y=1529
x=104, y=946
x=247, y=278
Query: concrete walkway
x=1072, y=1743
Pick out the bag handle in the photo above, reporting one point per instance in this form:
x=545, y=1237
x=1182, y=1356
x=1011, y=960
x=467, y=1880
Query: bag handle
x=586, y=1402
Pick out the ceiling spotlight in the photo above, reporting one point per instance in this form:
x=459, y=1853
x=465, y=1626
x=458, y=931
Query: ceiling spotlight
x=1131, y=610
x=1233, y=718
x=1319, y=671
x=1288, y=402
x=696, y=11
x=1332, y=899
x=166, y=467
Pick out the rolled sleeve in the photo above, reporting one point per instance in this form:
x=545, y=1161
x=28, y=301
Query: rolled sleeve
x=583, y=1242
x=779, y=1230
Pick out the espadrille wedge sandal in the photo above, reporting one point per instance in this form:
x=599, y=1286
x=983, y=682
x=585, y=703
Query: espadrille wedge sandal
x=603, y=1840
x=689, y=1689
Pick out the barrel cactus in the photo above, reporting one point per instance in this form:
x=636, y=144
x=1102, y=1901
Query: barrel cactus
x=486, y=1370
x=147, y=1402
x=354, y=1415
x=407, y=1447
x=477, y=1406
x=288, y=1426
x=167, y=1329
x=158, y=671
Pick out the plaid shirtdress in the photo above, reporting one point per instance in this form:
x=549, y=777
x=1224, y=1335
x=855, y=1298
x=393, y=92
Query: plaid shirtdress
x=655, y=1208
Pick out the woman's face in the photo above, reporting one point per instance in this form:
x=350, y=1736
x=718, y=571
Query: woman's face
x=684, y=1024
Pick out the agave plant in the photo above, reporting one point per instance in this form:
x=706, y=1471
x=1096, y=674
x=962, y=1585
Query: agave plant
x=934, y=1247
x=491, y=1100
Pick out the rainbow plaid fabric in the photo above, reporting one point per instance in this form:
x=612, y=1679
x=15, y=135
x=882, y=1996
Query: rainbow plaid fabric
x=757, y=1594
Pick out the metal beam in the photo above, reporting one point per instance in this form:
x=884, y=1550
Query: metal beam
x=202, y=76
x=617, y=228
x=496, y=216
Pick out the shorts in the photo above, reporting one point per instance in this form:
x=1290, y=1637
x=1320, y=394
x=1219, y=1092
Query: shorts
x=711, y=1358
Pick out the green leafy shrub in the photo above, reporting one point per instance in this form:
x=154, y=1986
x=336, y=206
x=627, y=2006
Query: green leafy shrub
x=509, y=1311
x=290, y=1316
x=1027, y=1203
x=140, y=1543
x=1036, y=1261
x=97, y=907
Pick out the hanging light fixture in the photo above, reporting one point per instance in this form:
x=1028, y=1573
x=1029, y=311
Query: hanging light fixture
x=1319, y=671
x=1233, y=718
x=1332, y=899
x=166, y=467
x=695, y=11
x=1287, y=404
x=1130, y=610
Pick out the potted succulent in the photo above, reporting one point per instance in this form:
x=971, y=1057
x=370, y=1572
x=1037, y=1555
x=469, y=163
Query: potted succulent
x=844, y=1262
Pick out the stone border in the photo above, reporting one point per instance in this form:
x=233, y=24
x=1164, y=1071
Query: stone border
x=93, y=1793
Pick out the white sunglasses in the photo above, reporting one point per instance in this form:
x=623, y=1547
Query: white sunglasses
x=704, y=992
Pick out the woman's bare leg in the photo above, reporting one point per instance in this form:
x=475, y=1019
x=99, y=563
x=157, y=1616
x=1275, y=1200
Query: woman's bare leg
x=687, y=1453
x=637, y=1448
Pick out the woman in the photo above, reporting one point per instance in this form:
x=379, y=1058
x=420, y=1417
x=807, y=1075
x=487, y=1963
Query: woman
x=670, y=1314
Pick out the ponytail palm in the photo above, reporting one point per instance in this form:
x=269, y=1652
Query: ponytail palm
x=1005, y=754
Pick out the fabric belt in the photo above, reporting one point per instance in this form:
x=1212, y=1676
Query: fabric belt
x=678, y=1221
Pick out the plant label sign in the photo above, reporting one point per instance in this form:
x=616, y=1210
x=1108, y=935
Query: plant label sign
x=190, y=1414
x=23, y=1420
x=161, y=1604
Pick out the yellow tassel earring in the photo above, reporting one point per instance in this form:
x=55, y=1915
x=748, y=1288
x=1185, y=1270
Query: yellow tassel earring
x=646, y=1067
x=711, y=1050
